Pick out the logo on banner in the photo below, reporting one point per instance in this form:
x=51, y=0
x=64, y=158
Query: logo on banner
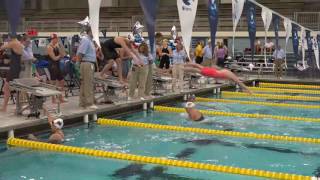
x=187, y=5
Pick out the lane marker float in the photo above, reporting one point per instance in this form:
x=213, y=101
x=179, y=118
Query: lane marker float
x=278, y=90
x=154, y=160
x=297, y=86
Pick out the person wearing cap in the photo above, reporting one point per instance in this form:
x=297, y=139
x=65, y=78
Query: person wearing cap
x=55, y=54
x=15, y=67
x=193, y=113
x=87, y=56
x=56, y=125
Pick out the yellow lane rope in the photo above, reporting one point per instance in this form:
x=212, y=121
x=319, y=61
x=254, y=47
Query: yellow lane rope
x=277, y=90
x=227, y=94
x=154, y=160
x=304, y=106
x=113, y=122
x=296, y=86
x=245, y=115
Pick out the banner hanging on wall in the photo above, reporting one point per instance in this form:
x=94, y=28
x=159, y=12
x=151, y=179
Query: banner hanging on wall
x=316, y=49
x=295, y=40
x=303, y=45
x=149, y=9
x=251, y=20
x=276, y=24
x=288, y=28
x=237, y=8
x=94, y=10
x=213, y=20
x=187, y=12
x=266, y=15
x=13, y=8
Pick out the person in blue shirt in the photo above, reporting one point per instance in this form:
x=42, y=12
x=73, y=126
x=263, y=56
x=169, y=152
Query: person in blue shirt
x=178, y=60
x=278, y=56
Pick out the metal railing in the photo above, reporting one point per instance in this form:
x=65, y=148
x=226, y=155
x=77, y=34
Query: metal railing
x=308, y=19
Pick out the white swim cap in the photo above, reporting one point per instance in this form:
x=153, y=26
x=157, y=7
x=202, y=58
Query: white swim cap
x=58, y=123
x=190, y=105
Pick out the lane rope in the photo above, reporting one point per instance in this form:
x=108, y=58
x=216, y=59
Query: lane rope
x=235, y=114
x=296, y=86
x=228, y=94
x=154, y=160
x=121, y=123
x=303, y=106
x=278, y=90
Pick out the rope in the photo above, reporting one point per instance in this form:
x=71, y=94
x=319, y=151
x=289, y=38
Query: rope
x=304, y=106
x=277, y=90
x=245, y=115
x=154, y=160
x=113, y=122
x=228, y=94
x=296, y=86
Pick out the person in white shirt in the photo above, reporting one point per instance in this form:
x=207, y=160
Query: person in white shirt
x=178, y=60
x=27, y=57
x=278, y=56
x=207, y=55
x=269, y=46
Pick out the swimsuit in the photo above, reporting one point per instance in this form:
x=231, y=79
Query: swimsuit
x=212, y=72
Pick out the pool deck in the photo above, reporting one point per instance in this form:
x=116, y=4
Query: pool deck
x=70, y=111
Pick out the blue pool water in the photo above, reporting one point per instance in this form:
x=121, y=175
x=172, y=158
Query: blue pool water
x=298, y=158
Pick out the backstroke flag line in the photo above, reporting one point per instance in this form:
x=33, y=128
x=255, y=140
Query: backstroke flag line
x=266, y=15
x=94, y=10
x=13, y=8
x=213, y=20
x=149, y=8
x=295, y=40
x=251, y=20
x=303, y=51
x=187, y=12
x=237, y=8
x=288, y=28
x=316, y=50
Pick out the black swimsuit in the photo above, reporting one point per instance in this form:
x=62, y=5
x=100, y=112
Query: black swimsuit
x=200, y=119
x=54, y=66
x=15, y=66
x=109, y=49
x=165, y=59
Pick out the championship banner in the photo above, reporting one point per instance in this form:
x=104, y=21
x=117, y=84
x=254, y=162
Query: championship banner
x=94, y=10
x=13, y=8
x=295, y=40
x=237, y=8
x=309, y=45
x=213, y=20
x=288, y=28
x=251, y=20
x=149, y=9
x=187, y=12
x=316, y=50
x=266, y=15
x=303, y=43
x=276, y=23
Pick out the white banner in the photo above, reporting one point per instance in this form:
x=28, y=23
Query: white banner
x=266, y=15
x=94, y=10
x=237, y=8
x=303, y=49
x=288, y=28
x=316, y=51
x=187, y=12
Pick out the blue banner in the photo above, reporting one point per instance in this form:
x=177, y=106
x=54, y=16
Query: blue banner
x=318, y=41
x=276, y=22
x=251, y=20
x=150, y=11
x=13, y=8
x=213, y=20
x=309, y=44
x=295, y=40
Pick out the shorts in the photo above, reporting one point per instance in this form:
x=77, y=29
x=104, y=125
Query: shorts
x=55, y=71
x=13, y=73
x=212, y=72
x=199, y=60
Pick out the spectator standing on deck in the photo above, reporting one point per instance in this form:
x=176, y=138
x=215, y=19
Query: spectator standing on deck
x=165, y=53
x=198, y=52
x=178, y=60
x=15, y=67
x=55, y=54
x=27, y=57
x=278, y=56
x=207, y=55
x=87, y=56
x=220, y=53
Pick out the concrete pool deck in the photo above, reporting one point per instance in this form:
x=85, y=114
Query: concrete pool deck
x=71, y=113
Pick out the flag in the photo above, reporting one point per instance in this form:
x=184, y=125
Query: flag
x=295, y=40
x=213, y=20
x=237, y=8
x=288, y=28
x=316, y=50
x=187, y=12
x=251, y=20
x=94, y=10
x=266, y=15
x=13, y=8
x=150, y=11
x=309, y=45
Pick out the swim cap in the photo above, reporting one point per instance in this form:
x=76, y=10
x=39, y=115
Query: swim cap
x=190, y=105
x=58, y=123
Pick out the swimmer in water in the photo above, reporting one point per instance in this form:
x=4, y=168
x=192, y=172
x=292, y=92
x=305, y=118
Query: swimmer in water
x=193, y=113
x=215, y=73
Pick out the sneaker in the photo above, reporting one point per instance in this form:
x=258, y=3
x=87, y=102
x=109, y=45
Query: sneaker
x=94, y=107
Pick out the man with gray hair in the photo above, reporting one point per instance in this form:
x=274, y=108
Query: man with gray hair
x=278, y=56
x=87, y=57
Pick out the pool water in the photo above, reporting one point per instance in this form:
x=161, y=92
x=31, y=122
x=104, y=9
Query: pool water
x=298, y=158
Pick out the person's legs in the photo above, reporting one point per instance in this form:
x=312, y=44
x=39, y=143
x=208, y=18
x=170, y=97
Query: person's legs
x=175, y=77
x=107, y=67
x=133, y=81
x=181, y=75
x=119, y=66
x=167, y=63
x=82, y=102
x=149, y=80
x=6, y=94
x=88, y=84
x=142, y=77
x=162, y=63
x=229, y=75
